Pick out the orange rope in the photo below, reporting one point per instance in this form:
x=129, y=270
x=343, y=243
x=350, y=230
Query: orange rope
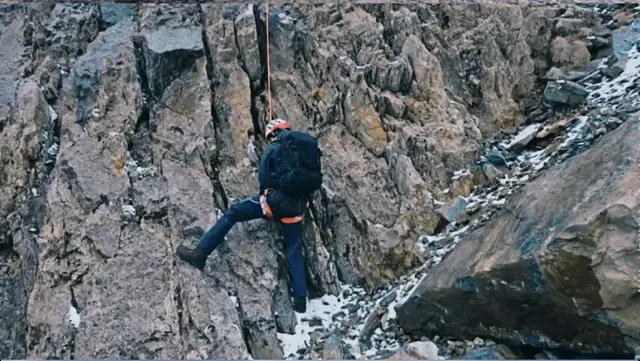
x=266, y=11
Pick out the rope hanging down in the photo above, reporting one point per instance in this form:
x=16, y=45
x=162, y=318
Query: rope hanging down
x=266, y=17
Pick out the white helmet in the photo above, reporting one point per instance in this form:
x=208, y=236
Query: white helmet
x=275, y=125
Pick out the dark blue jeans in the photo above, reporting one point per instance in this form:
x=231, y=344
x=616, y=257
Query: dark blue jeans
x=250, y=209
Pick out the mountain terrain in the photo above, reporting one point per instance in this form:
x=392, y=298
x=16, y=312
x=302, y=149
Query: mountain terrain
x=480, y=197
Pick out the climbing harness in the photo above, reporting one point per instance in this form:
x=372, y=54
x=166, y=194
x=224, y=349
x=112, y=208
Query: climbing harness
x=266, y=210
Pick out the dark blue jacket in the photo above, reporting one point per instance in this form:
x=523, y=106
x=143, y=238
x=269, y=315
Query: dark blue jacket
x=267, y=168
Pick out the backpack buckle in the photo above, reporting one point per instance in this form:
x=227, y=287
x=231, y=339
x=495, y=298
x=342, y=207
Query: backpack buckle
x=266, y=209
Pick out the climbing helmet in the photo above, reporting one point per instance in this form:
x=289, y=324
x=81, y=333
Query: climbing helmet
x=276, y=124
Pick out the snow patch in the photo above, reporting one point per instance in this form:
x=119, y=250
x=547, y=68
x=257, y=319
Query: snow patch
x=128, y=211
x=73, y=317
x=616, y=87
x=52, y=114
x=320, y=311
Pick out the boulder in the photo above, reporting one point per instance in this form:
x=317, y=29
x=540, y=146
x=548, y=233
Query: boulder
x=569, y=55
x=557, y=269
x=335, y=348
x=565, y=92
x=450, y=211
x=494, y=352
x=423, y=350
x=525, y=136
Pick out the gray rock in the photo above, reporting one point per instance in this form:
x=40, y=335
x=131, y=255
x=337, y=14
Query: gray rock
x=495, y=157
x=113, y=13
x=172, y=43
x=423, y=350
x=618, y=67
x=371, y=323
x=450, y=211
x=555, y=74
x=351, y=307
x=390, y=297
x=525, y=136
x=565, y=92
x=337, y=316
x=335, y=348
x=497, y=352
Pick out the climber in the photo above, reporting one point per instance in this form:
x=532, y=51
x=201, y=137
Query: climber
x=289, y=172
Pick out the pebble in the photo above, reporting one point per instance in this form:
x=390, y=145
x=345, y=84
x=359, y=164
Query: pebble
x=351, y=307
x=386, y=301
x=336, y=316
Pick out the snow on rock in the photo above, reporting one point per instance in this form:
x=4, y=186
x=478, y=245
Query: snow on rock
x=609, y=93
x=523, y=137
x=73, y=317
x=319, y=316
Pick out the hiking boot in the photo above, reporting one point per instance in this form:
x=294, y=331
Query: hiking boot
x=300, y=304
x=194, y=257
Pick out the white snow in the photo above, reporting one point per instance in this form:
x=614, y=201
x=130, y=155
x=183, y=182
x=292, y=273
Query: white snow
x=128, y=210
x=499, y=202
x=73, y=317
x=460, y=173
x=522, y=135
x=321, y=309
x=285, y=19
x=52, y=114
x=616, y=86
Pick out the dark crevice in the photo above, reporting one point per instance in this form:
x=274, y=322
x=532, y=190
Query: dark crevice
x=219, y=194
x=178, y=299
x=138, y=144
x=261, y=34
x=95, y=250
x=323, y=222
x=257, y=90
x=103, y=200
x=102, y=25
x=246, y=332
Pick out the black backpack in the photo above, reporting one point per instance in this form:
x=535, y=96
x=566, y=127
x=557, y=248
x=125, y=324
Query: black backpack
x=298, y=171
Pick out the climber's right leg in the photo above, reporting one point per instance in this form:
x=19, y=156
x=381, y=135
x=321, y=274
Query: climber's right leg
x=293, y=246
x=243, y=211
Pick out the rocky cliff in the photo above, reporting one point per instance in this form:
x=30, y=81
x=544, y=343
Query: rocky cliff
x=124, y=134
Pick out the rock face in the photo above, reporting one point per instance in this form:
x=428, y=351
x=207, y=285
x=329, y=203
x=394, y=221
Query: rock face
x=563, y=255
x=123, y=135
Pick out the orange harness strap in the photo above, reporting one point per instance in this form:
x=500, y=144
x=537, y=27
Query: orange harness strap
x=266, y=210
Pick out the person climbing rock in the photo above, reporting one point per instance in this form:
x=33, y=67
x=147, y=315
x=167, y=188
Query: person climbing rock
x=289, y=172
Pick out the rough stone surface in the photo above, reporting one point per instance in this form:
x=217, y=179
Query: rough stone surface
x=564, y=251
x=423, y=350
x=124, y=134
